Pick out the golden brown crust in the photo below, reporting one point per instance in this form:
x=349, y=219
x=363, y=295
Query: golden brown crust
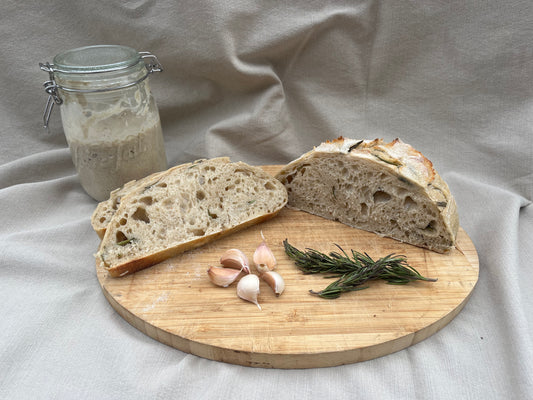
x=400, y=156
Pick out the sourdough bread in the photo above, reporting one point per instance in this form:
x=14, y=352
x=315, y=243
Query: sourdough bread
x=186, y=208
x=387, y=188
x=106, y=209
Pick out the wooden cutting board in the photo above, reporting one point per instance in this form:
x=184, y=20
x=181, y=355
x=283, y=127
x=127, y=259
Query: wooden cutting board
x=175, y=303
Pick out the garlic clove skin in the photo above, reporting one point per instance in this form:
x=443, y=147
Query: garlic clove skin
x=248, y=289
x=221, y=276
x=275, y=281
x=263, y=258
x=236, y=259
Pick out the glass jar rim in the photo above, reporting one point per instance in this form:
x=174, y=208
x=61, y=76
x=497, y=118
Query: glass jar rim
x=95, y=59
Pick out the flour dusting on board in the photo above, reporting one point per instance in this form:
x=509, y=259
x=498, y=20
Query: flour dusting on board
x=179, y=261
x=161, y=299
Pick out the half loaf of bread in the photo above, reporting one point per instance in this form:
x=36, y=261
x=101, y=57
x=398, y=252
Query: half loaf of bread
x=387, y=188
x=186, y=208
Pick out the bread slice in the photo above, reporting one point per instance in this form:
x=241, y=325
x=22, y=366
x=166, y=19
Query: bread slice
x=106, y=209
x=186, y=208
x=387, y=188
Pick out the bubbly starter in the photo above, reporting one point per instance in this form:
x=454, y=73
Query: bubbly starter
x=114, y=137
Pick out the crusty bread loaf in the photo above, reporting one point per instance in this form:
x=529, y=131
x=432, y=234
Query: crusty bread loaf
x=387, y=188
x=186, y=208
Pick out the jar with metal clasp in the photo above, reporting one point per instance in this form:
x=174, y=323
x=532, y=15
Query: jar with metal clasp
x=109, y=116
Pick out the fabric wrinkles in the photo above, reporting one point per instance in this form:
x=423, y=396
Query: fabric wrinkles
x=264, y=82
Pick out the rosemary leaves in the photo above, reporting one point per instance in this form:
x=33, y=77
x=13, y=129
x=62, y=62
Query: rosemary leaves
x=352, y=272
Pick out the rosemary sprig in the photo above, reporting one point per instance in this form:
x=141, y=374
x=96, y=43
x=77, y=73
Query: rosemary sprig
x=125, y=242
x=354, y=271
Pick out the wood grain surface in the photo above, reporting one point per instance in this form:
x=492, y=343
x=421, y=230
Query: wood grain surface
x=175, y=303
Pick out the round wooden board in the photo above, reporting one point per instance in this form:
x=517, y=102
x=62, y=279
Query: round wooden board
x=175, y=303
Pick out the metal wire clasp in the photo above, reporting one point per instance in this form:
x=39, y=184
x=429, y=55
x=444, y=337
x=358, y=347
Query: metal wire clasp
x=155, y=66
x=50, y=87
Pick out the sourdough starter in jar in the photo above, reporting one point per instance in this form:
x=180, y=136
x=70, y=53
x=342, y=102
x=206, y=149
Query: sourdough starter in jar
x=109, y=117
x=114, y=145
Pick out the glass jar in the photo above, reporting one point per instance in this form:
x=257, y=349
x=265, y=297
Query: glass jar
x=109, y=116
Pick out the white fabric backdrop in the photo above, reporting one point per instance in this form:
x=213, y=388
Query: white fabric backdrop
x=263, y=82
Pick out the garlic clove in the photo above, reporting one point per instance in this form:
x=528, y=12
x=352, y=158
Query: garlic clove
x=275, y=281
x=236, y=259
x=264, y=259
x=221, y=276
x=248, y=289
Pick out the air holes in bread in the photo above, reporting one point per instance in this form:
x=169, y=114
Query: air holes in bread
x=288, y=179
x=123, y=221
x=148, y=200
x=120, y=237
x=270, y=186
x=141, y=215
x=381, y=197
x=198, y=232
x=409, y=203
x=431, y=226
x=200, y=195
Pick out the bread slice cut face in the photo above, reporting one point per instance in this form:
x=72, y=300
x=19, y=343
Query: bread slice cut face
x=186, y=208
x=387, y=188
x=105, y=210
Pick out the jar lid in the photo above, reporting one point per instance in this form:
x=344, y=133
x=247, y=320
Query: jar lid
x=94, y=59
